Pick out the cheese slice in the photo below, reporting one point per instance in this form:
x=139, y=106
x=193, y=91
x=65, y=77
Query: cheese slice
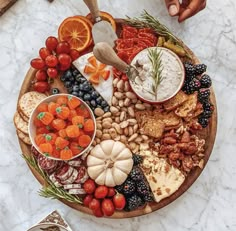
x=104, y=87
x=163, y=178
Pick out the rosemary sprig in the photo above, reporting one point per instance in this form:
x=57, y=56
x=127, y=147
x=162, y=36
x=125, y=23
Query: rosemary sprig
x=155, y=59
x=50, y=190
x=148, y=21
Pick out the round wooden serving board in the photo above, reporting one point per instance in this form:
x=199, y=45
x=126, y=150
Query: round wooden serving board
x=208, y=134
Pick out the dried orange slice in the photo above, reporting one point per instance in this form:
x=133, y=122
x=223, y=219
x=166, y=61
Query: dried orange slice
x=105, y=16
x=76, y=32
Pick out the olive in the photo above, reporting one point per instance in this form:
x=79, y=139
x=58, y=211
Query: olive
x=68, y=84
x=87, y=97
x=93, y=103
x=55, y=91
x=99, y=100
x=106, y=109
x=94, y=94
x=75, y=88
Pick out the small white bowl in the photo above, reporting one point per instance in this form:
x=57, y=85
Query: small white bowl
x=39, y=227
x=32, y=128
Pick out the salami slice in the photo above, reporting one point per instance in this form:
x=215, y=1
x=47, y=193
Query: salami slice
x=46, y=163
x=35, y=152
x=72, y=178
x=54, y=180
x=65, y=172
x=72, y=186
x=82, y=172
x=77, y=191
x=75, y=163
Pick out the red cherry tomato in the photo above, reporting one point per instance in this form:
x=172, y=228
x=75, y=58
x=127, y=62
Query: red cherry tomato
x=87, y=200
x=64, y=59
x=94, y=204
x=101, y=192
x=63, y=47
x=108, y=207
x=41, y=75
x=74, y=54
x=98, y=212
x=51, y=61
x=89, y=186
x=52, y=72
x=119, y=201
x=41, y=87
x=51, y=43
x=44, y=53
x=111, y=192
x=37, y=63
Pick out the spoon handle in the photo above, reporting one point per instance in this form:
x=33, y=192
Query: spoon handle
x=93, y=7
x=105, y=54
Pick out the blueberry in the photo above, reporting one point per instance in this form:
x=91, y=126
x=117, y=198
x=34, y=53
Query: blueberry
x=75, y=72
x=80, y=94
x=104, y=103
x=106, y=109
x=75, y=93
x=71, y=78
x=68, y=84
x=87, y=102
x=75, y=88
x=99, y=100
x=55, y=91
x=68, y=74
x=87, y=97
x=86, y=88
x=80, y=78
x=94, y=94
x=93, y=103
x=63, y=78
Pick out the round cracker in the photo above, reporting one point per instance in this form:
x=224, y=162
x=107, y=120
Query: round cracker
x=23, y=137
x=25, y=118
x=29, y=101
x=20, y=124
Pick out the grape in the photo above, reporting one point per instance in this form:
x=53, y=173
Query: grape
x=51, y=61
x=52, y=72
x=44, y=53
x=37, y=63
x=64, y=59
x=63, y=47
x=41, y=75
x=51, y=43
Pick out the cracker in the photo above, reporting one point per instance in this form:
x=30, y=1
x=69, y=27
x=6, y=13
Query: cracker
x=25, y=118
x=169, y=118
x=29, y=101
x=20, y=124
x=23, y=137
x=176, y=101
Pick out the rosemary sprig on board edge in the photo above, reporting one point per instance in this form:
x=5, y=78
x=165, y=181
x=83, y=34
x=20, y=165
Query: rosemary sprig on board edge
x=49, y=190
x=155, y=59
x=148, y=21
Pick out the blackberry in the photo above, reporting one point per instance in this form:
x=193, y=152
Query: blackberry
x=148, y=197
x=142, y=188
x=207, y=106
x=191, y=86
x=205, y=81
x=189, y=68
x=203, y=95
x=203, y=121
x=133, y=203
x=119, y=188
x=129, y=187
x=137, y=159
x=200, y=69
x=136, y=174
x=207, y=114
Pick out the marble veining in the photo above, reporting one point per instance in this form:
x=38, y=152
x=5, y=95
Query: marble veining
x=210, y=204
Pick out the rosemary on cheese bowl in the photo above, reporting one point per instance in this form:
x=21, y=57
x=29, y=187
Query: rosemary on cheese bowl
x=160, y=74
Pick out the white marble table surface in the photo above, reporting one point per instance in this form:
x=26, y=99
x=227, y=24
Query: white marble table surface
x=210, y=204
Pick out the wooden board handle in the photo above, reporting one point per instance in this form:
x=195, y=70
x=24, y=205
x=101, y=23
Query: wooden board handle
x=93, y=7
x=105, y=54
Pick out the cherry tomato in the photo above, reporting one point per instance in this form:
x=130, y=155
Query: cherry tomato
x=41, y=87
x=63, y=47
x=52, y=72
x=101, y=192
x=119, y=201
x=51, y=61
x=74, y=54
x=94, y=204
x=37, y=63
x=108, y=207
x=98, y=212
x=51, y=43
x=89, y=186
x=44, y=53
x=64, y=59
x=111, y=192
x=87, y=200
x=41, y=75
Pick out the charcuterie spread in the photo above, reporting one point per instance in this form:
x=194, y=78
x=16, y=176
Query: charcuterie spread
x=108, y=143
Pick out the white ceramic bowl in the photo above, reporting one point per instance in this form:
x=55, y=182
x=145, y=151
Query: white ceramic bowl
x=39, y=227
x=32, y=128
x=171, y=59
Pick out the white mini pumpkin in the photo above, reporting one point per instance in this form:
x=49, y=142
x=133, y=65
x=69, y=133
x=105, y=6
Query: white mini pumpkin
x=109, y=163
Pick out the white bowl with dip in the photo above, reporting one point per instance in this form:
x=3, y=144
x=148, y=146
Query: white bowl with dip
x=173, y=76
